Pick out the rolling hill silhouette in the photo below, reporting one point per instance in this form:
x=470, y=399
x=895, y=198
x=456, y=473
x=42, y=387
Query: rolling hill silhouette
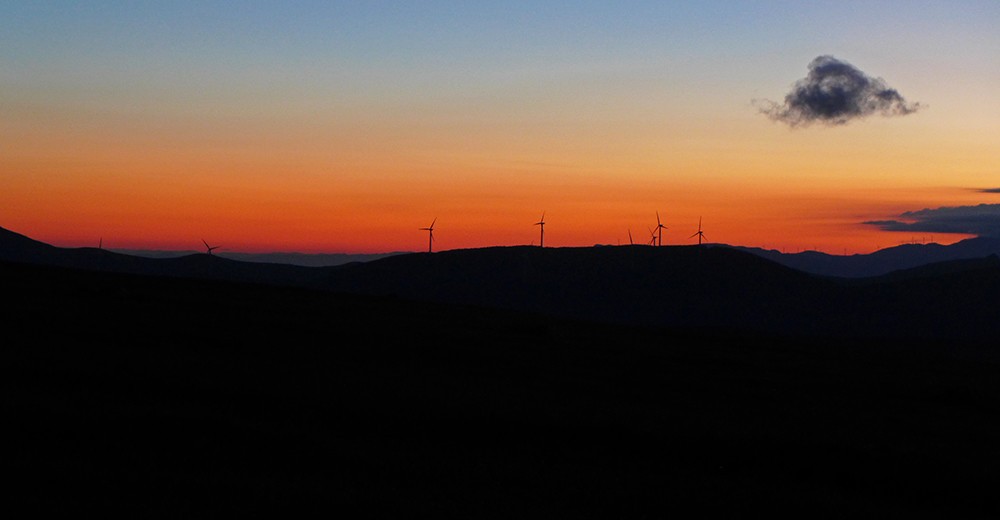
x=299, y=259
x=670, y=286
x=693, y=287
x=19, y=248
x=644, y=382
x=690, y=287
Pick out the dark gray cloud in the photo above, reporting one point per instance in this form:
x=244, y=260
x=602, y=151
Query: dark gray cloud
x=989, y=190
x=835, y=92
x=982, y=220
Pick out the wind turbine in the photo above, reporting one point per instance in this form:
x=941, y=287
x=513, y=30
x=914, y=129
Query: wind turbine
x=630, y=238
x=652, y=241
x=541, y=224
x=209, y=248
x=700, y=234
x=659, y=229
x=430, y=235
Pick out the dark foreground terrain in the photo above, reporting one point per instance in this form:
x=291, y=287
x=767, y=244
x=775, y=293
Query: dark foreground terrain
x=166, y=397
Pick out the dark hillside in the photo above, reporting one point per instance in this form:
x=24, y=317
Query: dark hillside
x=714, y=288
x=167, y=397
x=955, y=301
x=669, y=286
x=940, y=269
x=18, y=248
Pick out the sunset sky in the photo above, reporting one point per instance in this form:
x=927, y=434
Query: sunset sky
x=346, y=126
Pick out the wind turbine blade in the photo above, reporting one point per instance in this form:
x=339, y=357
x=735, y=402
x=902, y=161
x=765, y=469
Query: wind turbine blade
x=206, y=243
x=658, y=219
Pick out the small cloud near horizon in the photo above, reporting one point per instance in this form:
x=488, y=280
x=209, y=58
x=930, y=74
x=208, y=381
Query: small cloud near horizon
x=981, y=220
x=835, y=93
x=988, y=190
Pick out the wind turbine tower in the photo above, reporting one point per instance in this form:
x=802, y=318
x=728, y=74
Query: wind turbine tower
x=541, y=225
x=700, y=234
x=659, y=229
x=430, y=235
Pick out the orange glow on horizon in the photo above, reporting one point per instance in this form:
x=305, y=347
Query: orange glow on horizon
x=276, y=217
x=368, y=185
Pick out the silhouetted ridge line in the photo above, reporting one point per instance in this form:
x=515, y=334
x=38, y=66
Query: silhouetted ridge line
x=17, y=248
x=708, y=287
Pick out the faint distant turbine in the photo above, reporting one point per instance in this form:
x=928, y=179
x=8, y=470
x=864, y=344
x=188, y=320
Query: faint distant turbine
x=700, y=234
x=430, y=235
x=652, y=234
x=630, y=238
x=209, y=248
x=541, y=225
x=659, y=229
x=100, y=243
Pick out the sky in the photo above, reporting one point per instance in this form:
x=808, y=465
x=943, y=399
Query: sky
x=347, y=126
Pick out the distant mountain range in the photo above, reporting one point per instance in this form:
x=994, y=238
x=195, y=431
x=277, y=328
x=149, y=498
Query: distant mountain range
x=711, y=287
x=880, y=262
